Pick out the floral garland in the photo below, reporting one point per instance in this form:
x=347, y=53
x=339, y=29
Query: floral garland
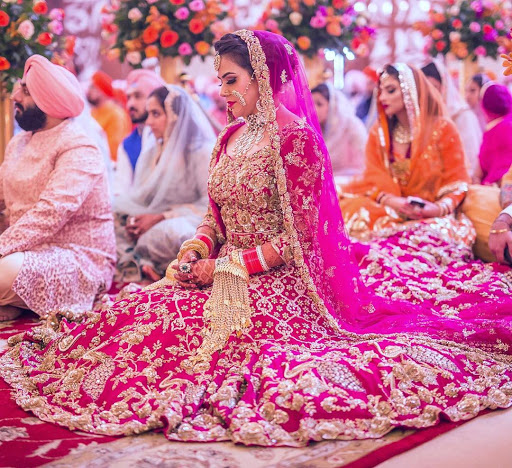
x=468, y=29
x=28, y=28
x=140, y=30
x=312, y=25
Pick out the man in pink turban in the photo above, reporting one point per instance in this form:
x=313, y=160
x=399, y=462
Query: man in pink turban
x=58, y=251
x=139, y=84
x=108, y=113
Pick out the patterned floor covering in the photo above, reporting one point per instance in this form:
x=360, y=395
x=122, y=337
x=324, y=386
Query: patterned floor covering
x=26, y=441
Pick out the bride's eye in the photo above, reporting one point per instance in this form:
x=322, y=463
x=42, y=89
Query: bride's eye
x=231, y=81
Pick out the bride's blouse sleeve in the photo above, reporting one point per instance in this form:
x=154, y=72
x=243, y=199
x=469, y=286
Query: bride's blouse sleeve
x=209, y=221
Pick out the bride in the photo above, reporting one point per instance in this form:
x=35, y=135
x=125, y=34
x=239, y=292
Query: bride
x=263, y=332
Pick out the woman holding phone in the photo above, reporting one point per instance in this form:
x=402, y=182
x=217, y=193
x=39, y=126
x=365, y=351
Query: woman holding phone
x=415, y=172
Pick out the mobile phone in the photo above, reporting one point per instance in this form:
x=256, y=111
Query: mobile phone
x=416, y=201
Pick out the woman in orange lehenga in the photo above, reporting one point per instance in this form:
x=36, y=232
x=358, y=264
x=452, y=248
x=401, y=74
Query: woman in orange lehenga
x=415, y=172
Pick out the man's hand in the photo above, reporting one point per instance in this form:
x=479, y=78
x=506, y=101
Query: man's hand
x=501, y=237
x=138, y=225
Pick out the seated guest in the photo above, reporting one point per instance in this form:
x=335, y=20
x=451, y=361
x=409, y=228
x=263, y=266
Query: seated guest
x=500, y=236
x=140, y=83
x=415, y=169
x=345, y=135
x=458, y=110
x=473, y=98
x=496, y=151
x=58, y=251
x=168, y=197
x=110, y=115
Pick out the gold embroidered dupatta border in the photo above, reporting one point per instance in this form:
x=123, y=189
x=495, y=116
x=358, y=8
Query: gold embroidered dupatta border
x=262, y=73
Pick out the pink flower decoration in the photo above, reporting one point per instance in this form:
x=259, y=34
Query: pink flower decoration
x=55, y=27
x=182, y=13
x=134, y=14
x=318, y=22
x=56, y=14
x=26, y=29
x=196, y=5
x=480, y=50
x=185, y=49
x=346, y=20
x=475, y=27
x=152, y=1
x=499, y=24
x=272, y=25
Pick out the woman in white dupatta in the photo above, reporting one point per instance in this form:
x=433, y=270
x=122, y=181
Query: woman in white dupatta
x=169, y=193
x=344, y=133
x=458, y=110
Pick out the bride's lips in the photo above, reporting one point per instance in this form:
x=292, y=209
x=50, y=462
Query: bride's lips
x=230, y=104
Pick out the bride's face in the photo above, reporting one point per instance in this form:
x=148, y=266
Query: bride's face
x=237, y=87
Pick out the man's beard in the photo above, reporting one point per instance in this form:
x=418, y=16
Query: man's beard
x=139, y=119
x=31, y=118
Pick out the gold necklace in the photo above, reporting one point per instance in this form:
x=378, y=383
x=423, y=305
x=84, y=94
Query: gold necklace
x=401, y=134
x=256, y=125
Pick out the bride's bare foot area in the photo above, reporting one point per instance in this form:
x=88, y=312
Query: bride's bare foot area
x=150, y=273
x=9, y=313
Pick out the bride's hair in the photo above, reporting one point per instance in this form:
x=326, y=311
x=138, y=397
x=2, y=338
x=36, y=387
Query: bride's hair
x=235, y=48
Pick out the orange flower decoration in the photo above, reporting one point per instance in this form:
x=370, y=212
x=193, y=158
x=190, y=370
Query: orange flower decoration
x=150, y=35
x=304, y=42
x=41, y=8
x=168, y=38
x=4, y=64
x=202, y=47
x=309, y=2
x=196, y=26
x=334, y=28
x=45, y=38
x=152, y=50
x=437, y=34
x=69, y=45
x=507, y=63
x=113, y=54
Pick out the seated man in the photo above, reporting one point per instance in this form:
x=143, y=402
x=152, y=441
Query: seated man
x=139, y=84
x=58, y=250
x=482, y=206
x=108, y=113
x=500, y=235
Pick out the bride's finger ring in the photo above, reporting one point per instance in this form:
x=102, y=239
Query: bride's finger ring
x=185, y=268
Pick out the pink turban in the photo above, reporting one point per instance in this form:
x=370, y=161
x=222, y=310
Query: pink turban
x=55, y=90
x=496, y=99
x=145, y=80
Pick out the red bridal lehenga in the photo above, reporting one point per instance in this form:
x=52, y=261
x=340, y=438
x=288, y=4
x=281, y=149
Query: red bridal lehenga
x=324, y=358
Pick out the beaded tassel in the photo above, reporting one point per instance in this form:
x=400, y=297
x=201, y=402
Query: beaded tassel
x=228, y=309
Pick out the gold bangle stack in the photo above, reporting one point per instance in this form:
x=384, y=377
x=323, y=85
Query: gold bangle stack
x=194, y=244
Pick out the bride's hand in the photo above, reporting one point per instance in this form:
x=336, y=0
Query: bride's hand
x=201, y=274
